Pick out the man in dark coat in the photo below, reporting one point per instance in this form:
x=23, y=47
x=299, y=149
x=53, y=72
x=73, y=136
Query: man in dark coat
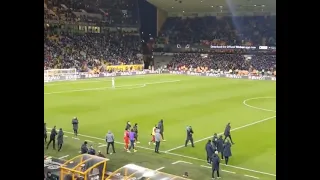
x=189, y=136
x=161, y=128
x=227, y=133
x=220, y=146
x=84, y=148
x=215, y=139
x=75, y=123
x=60, y=139
x=227, y=151
x=210, y=151
x=45, y=132
x=215, y=165
x=52, y=138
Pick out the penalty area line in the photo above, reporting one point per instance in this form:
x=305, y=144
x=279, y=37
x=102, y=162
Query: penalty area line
x=241, y=127
x=231, y=166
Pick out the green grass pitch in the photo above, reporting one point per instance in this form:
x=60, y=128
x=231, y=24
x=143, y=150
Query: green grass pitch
x=205, y=103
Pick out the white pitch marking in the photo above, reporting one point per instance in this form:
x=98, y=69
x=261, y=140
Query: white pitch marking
x=245, y=103
x=74, y=82
x=221, y=170
x=231, y=172
x=75, y=138
x=181, y=162
x=132, y=87
x=159, y=169
x=205, y=166
x=102, y=145
x=251, y=176
x=236, y=167
x=174, y=154
x=62, y=157
x=247, y=125
x=103, y=79
x=89, y=141
x=104, y=88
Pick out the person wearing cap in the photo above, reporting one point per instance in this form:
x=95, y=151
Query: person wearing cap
x=110, y=141
x=84, y=148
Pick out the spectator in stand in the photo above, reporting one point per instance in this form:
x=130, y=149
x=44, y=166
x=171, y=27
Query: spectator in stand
x=89, y=51
x=223, y=62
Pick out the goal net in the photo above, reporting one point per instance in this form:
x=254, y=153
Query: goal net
x=60, y=75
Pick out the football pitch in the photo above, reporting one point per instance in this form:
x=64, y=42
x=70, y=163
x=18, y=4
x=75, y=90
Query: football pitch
x=205, y=103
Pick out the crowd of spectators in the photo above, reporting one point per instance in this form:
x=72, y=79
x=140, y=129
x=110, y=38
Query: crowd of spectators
x=244, y=30
x=88, y=50
x=109, y=12
x=223, y=62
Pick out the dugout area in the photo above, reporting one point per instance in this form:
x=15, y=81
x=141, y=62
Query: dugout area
x=134, y=172
x=90, y=167
x=84, y=167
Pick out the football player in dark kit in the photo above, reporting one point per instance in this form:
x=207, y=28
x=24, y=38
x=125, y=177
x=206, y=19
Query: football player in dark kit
x=227, y=133
x=52, y=138
x=135, y=129
x=75, y=123
x=128, y=126
x=189, y=136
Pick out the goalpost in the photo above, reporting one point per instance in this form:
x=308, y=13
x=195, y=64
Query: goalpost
x=60, y=75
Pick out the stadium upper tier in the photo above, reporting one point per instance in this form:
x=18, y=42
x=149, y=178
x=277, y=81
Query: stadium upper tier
x=110, y=12
x=245, y=30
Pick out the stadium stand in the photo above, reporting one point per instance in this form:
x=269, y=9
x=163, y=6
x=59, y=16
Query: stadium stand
x=68, y=45
x=249, y=30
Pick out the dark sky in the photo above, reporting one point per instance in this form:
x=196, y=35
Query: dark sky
x=148, y=19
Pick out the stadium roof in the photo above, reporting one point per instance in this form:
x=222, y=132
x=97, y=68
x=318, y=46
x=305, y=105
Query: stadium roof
x=181, y=6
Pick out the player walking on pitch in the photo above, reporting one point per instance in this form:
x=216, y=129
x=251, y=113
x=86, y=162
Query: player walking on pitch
x=126, y=139
x=153, y=133
x=113, y=82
